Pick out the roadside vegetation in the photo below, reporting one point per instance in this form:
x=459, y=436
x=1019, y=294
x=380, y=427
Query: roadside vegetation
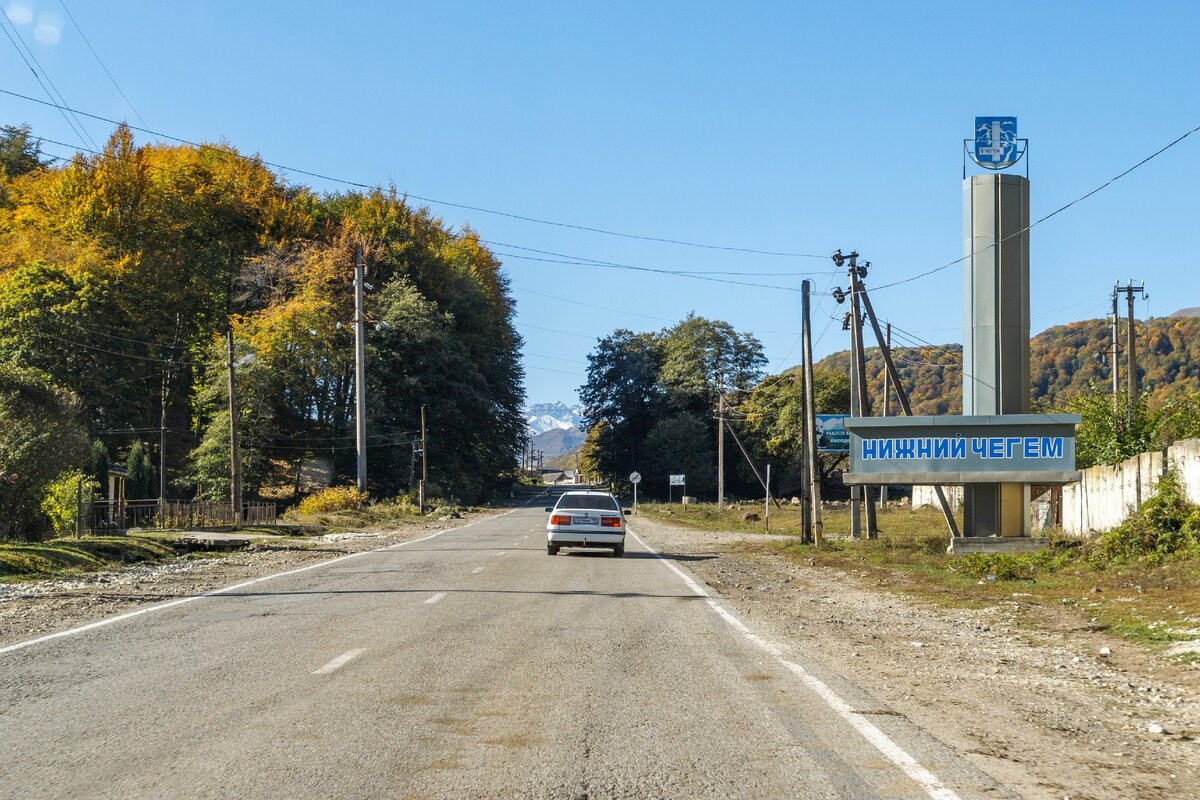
x=89, y=554
x=1140, y=581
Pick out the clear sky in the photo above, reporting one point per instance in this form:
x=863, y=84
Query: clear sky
x=789, y=127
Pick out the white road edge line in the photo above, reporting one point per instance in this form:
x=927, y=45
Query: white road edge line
x=100, y=623
x=880, y=740
x=340, y=661
x=435, y=598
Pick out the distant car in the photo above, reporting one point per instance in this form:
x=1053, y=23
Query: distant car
x=586, y=519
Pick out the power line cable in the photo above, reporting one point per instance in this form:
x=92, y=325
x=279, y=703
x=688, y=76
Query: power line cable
x=5, y=24
x=435, y=201
x=96, y=55
x=1040, y=220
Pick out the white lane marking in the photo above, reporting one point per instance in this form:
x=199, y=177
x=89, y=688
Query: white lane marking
x=502, y=552
x=435, y=598
x=477, y=570
x=881, y=741
x=340, y=661
x=172, y=603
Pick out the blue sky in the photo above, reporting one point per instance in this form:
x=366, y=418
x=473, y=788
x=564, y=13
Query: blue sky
x=787, y=127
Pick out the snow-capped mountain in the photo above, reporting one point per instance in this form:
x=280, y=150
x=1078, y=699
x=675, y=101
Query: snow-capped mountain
x=542, y=417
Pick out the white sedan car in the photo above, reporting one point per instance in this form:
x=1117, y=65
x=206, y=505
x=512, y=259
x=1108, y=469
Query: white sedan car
x=586, y=519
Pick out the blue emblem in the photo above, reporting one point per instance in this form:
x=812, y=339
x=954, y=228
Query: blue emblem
x=996, y=142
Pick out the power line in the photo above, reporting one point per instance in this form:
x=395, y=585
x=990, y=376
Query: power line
x=435, y=201
x=5, y=24
x=88, y=42
x=1040, y=220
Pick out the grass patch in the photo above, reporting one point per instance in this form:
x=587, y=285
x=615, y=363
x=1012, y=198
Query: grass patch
x=381, y=514
x=20, y=561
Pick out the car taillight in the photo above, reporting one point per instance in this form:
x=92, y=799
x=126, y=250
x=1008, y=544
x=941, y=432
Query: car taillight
x=560, y=519
x=610, y=522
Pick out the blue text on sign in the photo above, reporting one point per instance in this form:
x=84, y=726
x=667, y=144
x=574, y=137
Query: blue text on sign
x=945, y=447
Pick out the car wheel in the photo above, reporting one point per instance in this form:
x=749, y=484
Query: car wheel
x=618, y=551
x=551, y=549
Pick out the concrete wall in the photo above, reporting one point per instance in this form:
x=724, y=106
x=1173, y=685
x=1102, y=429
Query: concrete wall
x=926, y=496
x=1107, y=495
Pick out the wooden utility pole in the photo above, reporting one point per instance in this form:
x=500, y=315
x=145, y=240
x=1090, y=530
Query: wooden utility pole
x=235, y=457
x=721, y=445
x=360, y=369
x=815, y=534
x=424, y=460
x=902, y=396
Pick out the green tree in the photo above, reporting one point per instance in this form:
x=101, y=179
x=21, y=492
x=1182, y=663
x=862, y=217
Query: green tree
x=40, y=436
x=140, y=480
x=682, y=444
x=19, y=151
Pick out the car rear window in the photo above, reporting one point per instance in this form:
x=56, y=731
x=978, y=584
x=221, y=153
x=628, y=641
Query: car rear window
x=588, y=501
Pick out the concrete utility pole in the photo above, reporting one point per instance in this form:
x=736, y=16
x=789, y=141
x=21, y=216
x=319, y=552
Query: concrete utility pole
x=861, y=404
x=1115, y=319
x=767, y=503
x=810, y=422
x=1131, y=339
x=424, y=461
x=360, y=369
x=235, y=456
x=887, y=404
x=720, y=445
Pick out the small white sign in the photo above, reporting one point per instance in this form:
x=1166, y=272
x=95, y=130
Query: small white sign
x=635, y=478
x=679, y=480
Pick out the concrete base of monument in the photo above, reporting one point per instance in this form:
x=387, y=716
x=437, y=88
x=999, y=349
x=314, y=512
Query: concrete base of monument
x=961, y=545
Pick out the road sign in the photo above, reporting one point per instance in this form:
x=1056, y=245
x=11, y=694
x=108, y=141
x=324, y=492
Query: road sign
x=635, y=478
x=831, y=434
x=1008, y=448
x=679, y=480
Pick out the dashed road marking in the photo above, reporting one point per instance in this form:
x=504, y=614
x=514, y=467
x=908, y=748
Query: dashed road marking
x=477, y=570
x=502, y=552
x=932, y=785
x=435, y=598
x=340, y=661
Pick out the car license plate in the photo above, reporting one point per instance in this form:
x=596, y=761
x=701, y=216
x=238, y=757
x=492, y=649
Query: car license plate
x=585, y=520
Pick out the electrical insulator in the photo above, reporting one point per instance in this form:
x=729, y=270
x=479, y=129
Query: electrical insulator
x=846, y=321
x=839, y=295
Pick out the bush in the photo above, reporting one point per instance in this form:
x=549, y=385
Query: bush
x=60, y=504
x=335, y=498
x=1166, y=526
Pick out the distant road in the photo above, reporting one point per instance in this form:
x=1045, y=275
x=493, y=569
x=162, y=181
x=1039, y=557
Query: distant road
x=468, y=664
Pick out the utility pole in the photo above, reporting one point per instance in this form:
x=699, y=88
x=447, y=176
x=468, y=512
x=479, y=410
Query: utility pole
x=424, y=460
x=767, y=503
x=360, y=369
x=860, y=402
x=235, y=456
x=902, y=396
x=815, y=534
x=720, y=444
x=1116, y=347
x=887, y=407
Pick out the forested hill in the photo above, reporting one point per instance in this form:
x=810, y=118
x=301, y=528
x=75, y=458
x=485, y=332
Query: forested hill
x=1063, y=364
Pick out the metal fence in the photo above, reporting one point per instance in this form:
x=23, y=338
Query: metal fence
x=119, y=515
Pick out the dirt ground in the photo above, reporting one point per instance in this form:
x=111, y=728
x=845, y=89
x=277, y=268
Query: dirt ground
x=1025, y=692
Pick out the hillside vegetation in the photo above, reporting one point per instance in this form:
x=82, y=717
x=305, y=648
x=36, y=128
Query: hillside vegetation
x=1063, y=365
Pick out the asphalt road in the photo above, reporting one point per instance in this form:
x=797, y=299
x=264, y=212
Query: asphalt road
x=469, y=664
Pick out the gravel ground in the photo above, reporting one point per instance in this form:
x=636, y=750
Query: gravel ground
x=31, y=608
x=1025, y=692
